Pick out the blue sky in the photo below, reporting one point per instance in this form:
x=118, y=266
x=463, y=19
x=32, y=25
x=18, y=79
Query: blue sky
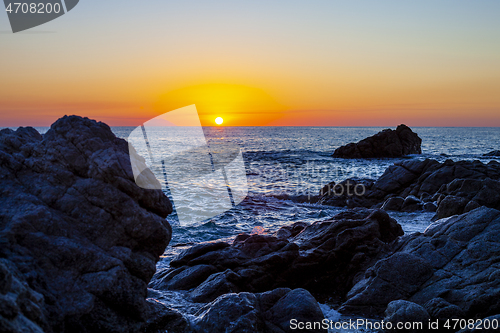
x=424, y=57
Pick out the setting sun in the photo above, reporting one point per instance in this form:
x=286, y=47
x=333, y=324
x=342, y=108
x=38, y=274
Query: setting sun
x=241, y=105
x=219, y=120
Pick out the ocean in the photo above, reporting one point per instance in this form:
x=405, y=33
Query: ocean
x=286, y=164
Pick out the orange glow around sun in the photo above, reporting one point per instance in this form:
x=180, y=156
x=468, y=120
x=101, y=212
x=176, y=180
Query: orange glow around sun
x=237, y=105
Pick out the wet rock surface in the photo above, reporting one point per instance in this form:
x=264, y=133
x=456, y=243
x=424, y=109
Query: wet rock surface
x=349, y=193
x=463, y=195
x=483, y=327
x=401, y=311
x=79, y=239
x=387, y=143
x=450, y=188
x=325, y=258
x=448, y=272
x=452, y=270
x=273, y=311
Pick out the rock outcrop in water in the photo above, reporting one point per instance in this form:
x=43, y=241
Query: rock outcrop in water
x=452, y=270
x=325, y=258
x=387, y=143
x=79, y=240
x=450, y=188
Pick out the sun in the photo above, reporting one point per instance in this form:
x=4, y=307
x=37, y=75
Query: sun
x=219, y=120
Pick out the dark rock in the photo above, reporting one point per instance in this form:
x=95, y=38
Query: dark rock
x=471, y=205
x=387, y=143
x=439, y=308
x=440, y=198
x=80, y=239
x=435, y=197
x=401, y=311
x=401, y=175
x=456, y=259
x=464, y=195
x=411, y=204
x=298, y=302
x=231, y=313
x=5, y=278
x=429, y=180
x=480, y=325
x=216, y=285
x=289, y=231
x=163, y=319
x=8, y=307
x=241, y=238
x=394, y=203
x=449, y=206
x=348, y=193
x=188, y=278
x=404, y=270
x=431, y=207
x=325, y=257
x=271, y=311
x=21, y=308
x=425, y=197
x=493, y=153
x=196, y=251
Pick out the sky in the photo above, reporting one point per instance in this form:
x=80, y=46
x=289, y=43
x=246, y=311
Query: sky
x=258, y=63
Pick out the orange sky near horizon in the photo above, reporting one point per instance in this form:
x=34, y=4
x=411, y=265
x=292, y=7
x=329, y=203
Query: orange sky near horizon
x=328, y=63
x=247, y=106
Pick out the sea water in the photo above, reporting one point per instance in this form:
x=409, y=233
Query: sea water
x=285, y=165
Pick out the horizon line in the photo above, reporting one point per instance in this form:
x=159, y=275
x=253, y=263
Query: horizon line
x=270, y=126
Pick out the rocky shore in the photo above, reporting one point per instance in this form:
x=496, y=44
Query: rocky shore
x=359, y=261
x=451, y=270
x=80, y=242
x=325, y=258
x=447, y=188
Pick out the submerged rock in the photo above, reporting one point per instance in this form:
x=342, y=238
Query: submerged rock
x=451, y=270
x=387, y=143
x=79, y=239
x=325, y=257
